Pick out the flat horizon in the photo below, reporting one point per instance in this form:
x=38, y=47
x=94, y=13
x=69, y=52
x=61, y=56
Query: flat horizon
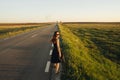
x=50, y=22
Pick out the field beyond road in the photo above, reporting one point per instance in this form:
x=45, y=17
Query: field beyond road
x=8, y=30
x=91, y=50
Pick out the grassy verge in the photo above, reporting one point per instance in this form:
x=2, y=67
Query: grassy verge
x=84, y=60
x=12, y=30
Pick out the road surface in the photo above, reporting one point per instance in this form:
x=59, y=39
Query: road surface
x=26, y=56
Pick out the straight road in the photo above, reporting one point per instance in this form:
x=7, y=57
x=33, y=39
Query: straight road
x=24, y=57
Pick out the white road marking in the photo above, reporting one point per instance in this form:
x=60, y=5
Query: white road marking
x=52, y=45
x=33, y=32
x=6, y=38
x=48, y=62
x=51, y=52
x=34, y=35
x=47, y=66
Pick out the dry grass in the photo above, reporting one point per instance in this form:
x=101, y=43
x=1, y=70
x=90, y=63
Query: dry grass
x=8, y=30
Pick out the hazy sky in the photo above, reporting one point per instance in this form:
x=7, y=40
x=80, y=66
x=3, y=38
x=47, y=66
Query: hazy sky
x=59, y=10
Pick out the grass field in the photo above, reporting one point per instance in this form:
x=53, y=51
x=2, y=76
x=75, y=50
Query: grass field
x=8, y=30
x=92, y=51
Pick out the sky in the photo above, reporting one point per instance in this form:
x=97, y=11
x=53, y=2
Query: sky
x=59, y=10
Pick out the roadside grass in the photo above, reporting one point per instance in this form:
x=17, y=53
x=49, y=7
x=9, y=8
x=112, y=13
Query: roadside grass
x=88, y=58
x=107, y=38
x=12, y=30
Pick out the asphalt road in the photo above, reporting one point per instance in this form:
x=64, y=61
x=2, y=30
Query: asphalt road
x=24, y=57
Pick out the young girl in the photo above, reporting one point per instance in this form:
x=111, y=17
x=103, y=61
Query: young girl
x=56, y=54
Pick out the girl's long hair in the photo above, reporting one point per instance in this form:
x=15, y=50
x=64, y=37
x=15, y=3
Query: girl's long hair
x=54, y=37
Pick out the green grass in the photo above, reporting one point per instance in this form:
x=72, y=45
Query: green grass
x=12, y=30
x=86, y=54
